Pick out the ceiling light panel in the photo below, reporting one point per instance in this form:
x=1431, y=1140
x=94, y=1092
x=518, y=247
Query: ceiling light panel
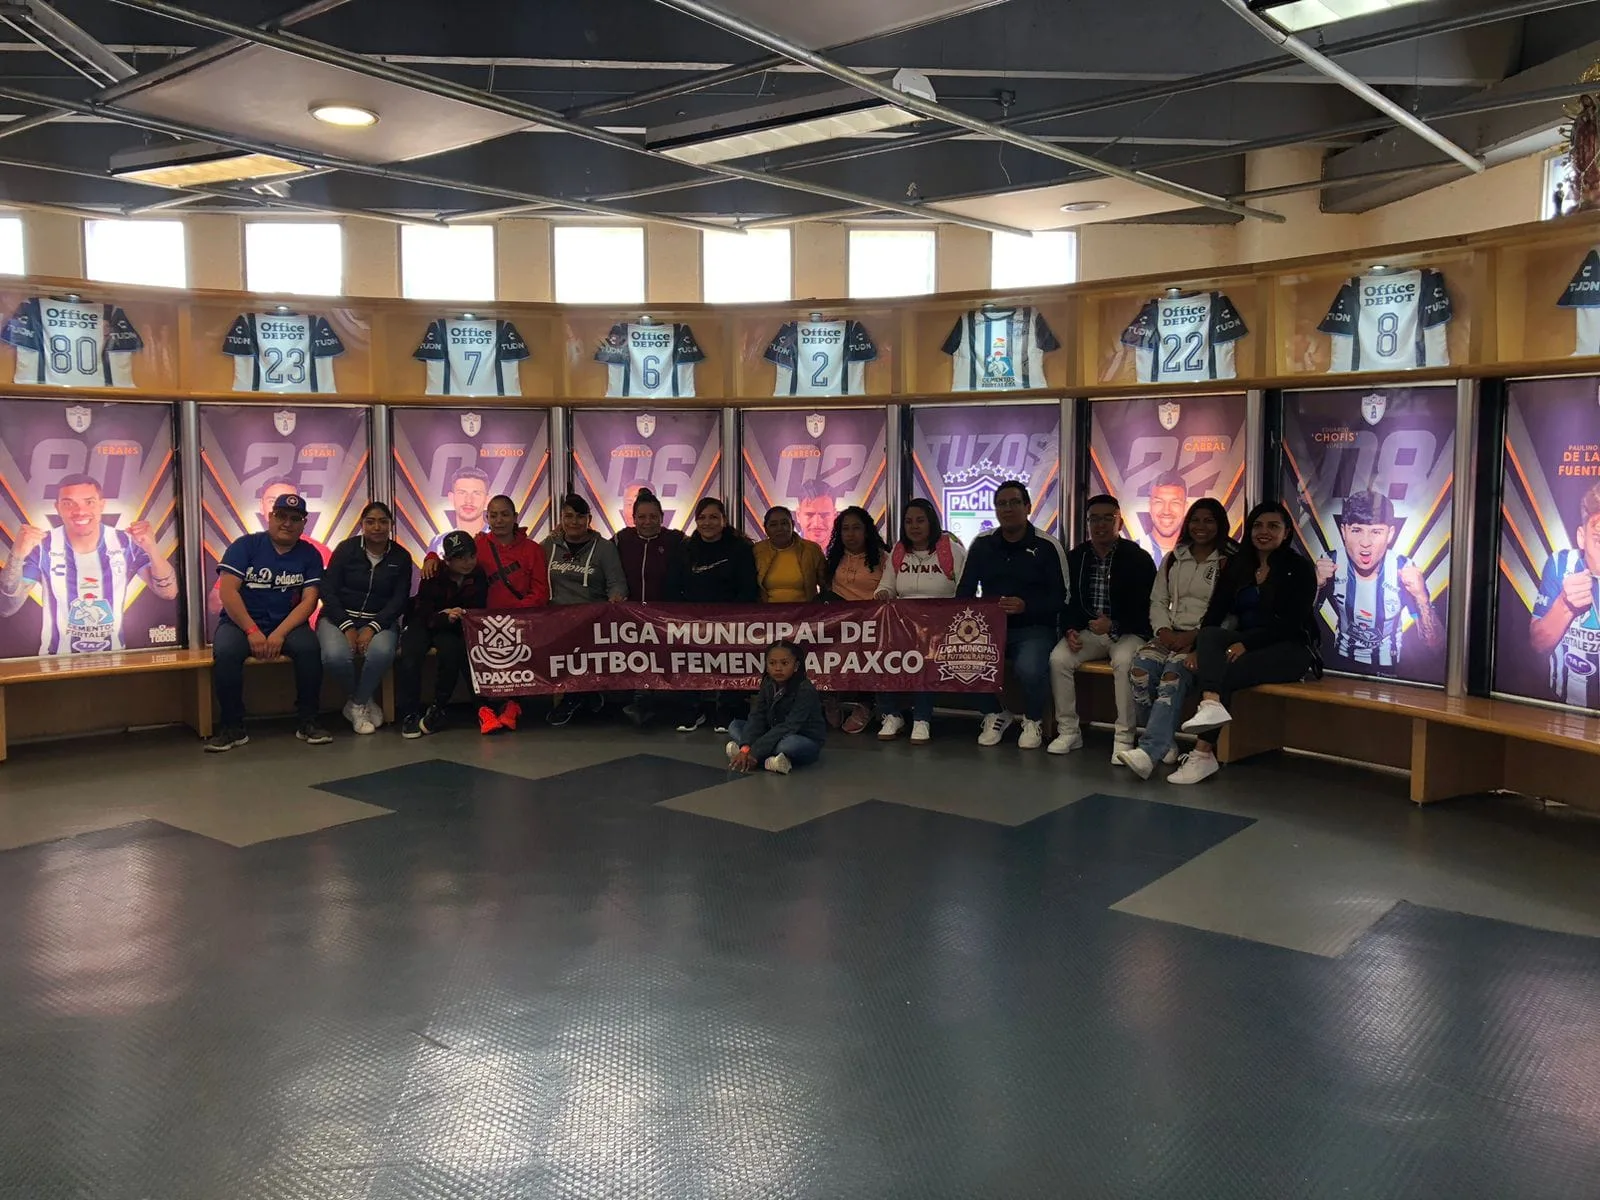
x=1309, y=14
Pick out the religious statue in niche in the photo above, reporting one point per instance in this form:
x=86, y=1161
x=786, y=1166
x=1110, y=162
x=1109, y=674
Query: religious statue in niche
x=1580, y=191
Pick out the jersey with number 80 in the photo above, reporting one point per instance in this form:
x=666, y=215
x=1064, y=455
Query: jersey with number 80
x=472, y=357
x=70, y=344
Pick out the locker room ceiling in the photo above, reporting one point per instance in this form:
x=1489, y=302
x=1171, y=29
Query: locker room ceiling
x=1180, y=89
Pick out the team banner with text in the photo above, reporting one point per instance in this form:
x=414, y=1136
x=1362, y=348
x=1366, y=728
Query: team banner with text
x=88, y=527
x=449, y=462
x=816, y=464
x=893, y=646
x=252, y=454
x=961, y=453
x=618, y=453
x=1547, y=639
x=1159, y=456
x=1369, y=477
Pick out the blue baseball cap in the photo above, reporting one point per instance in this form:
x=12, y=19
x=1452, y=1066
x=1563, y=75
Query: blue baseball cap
x=290, y=502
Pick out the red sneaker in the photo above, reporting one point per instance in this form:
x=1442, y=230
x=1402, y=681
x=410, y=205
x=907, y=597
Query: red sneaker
x=509, y=712
x=487, y=721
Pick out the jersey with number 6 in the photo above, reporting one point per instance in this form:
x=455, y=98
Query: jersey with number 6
x=1186, y=339
x=282, y=352
x=472, y=358
x=650, y=362
x=71, y=344
x=1390, y=322
x=821, y=358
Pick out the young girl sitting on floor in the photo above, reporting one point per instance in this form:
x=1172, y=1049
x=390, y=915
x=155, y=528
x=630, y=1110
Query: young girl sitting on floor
x=786, y=726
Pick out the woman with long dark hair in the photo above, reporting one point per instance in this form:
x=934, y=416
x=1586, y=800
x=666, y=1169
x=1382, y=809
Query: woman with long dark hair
x=647, y=550
x=1259, y=628
x=853, y=569
x=365, y=589
x=788, y=567
x=925, y=564
x=715, y=565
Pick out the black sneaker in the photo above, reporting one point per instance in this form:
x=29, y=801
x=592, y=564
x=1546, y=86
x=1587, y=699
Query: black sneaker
x=637, y=713
x=433, y=720
x=562, y=713
x=226, y=739
x=411, y=727
x=313, y=734
x=597, y=702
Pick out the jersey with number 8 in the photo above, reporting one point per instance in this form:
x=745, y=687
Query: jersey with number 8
x=1389, y=322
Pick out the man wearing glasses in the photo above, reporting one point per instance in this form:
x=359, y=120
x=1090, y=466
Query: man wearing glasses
x=268, y=584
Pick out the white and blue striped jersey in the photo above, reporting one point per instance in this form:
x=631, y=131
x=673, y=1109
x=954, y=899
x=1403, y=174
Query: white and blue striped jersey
x=472, y=358
x=1000, y=349
x=66, y=343
x=282, y=352
x=1370, y=612
x=650, y=362
x=84, y=595
x=1575, y=662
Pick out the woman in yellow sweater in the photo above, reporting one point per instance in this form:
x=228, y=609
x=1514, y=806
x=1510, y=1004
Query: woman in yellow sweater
x=788, y=568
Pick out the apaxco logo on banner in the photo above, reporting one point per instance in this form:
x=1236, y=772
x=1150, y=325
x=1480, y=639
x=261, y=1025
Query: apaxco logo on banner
x=498, y=653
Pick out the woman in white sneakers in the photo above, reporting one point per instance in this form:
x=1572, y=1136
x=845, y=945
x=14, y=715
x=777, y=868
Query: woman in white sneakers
x=923, y=565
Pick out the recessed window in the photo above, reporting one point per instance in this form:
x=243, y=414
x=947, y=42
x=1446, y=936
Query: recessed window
x=1043, y=260
x=447, y=262
x=599, y=264
x=1558, y=191
x=748, y=268
x=296, y=257
x=147, y=252
x=892, y=262
x=11, y=259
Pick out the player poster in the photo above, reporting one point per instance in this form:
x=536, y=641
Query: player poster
x=816, y=463
x=1159, y=456
x=449, y=463
x=961, y=453
x=616, y=453
x=1368, y=474
x=1547, y=640
x=252, y=454
x=88, y=528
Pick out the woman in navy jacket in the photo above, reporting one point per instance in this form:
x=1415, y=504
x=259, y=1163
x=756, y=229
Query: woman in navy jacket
x=365, y=588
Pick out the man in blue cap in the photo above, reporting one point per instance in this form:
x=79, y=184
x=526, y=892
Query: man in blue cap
x=268, y=583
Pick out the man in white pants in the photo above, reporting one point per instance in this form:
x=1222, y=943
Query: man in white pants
x=1107, y=617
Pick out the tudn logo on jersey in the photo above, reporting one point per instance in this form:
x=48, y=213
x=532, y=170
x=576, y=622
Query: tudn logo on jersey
x=1373, y=407
x=645, y=423
x=283, y=421
x=499, y=646
x=1168, y=415
x=815, y=424
x=471, y=423
x=78, y=418
x=966, y=652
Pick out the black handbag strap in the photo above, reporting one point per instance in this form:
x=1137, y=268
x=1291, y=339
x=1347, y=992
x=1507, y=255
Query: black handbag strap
x=502, y=571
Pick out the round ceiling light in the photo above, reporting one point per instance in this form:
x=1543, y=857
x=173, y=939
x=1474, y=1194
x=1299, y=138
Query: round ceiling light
x=1081, y=206
x=347, y=116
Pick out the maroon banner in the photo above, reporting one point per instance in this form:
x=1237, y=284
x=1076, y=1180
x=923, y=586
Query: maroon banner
x=893, y=646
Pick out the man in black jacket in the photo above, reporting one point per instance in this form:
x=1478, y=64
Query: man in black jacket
x=1107, y=617
x=1024, y=570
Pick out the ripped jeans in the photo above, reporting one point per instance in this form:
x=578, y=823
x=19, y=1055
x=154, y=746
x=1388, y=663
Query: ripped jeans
x=1160, y=684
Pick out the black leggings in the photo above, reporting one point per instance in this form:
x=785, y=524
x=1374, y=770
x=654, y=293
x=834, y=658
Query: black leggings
x=1281, y=662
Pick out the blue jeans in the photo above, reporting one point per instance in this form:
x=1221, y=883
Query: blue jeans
x=920, y=704
x=1028, y=657
x=339, y=660
x=1163, y=702
x=230, y=647
x=800, y=751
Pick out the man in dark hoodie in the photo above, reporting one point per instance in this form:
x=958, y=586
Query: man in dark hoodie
x=715, y=565
x=435, y=624
x=365, y=588
x=646, y=551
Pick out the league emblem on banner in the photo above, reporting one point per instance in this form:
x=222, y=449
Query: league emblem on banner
x=471, y=423
x=645, y=423
x=1373, y=407
x=966, y=652
x=815, y=424
x=1168, y=415
x=283, y=421
x=78, y=418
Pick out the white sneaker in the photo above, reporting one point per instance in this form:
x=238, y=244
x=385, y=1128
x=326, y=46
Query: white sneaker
x=779, y=764
x=921, y=735
x=1116, y=752
x=1136, y=760
x=1066, y=743
x=892, y=725
x=733, y=749
x=691, y=726
x=349, y=712
x=363, y=723
x=1170, y=758
x=994, y=728
x=1032, y=735
x=375, y=714
x=1209, y=715
x=1194, y=767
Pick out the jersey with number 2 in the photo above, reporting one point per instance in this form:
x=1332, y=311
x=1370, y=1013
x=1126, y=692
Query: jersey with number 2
x=821, y=358
x=66, y=343
x=1390, y=322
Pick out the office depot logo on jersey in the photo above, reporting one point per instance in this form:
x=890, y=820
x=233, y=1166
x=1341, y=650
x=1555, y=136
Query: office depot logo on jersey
x=1388, y=293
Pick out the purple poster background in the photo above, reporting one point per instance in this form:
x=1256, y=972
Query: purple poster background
x=1137, y=446
x=1552, y=473
x=816, y=463
x=448, y=463
x=1399, y=442
x=961, y=453
x=128, y=449
x=253, y=453
x=675, y=453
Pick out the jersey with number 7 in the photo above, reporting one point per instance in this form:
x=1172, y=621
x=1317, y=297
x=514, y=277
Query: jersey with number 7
x=472, y=357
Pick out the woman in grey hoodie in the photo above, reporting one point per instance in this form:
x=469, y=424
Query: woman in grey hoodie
x=584, y=569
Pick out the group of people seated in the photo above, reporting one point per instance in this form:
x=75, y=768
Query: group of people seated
x=1216, y=616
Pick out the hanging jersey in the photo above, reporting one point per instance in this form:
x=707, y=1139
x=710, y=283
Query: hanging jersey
x=70, y=344
x=821, y=358
x=1583, y=294
x=650, y=362
x=84, y=595
x=1370, y=613
x=999, y=350
x=1188, y=339
x=472, y=358
x=1390, y=322
x=1575, y=662
x=282, y=352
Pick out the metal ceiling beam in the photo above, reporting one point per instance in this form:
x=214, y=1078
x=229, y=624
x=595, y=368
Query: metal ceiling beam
x=1317, y=185
x=66, y=40
x=1321, y=63
x=683, y=87
x=435, y=86
x=939, y=112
